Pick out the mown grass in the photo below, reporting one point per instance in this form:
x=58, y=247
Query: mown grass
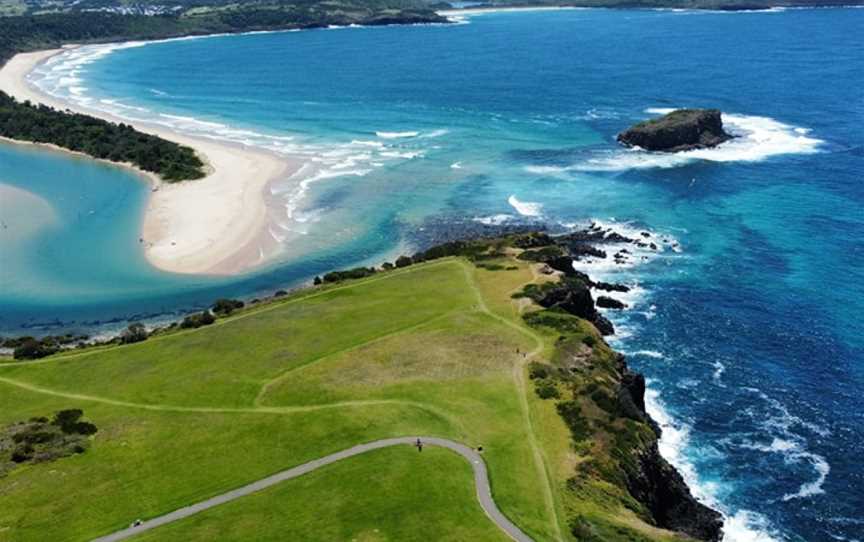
x=411, y=353
x=434, y=349
x=390, y=494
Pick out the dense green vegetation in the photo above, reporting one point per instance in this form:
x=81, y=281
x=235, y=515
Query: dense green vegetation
x=40, y=440
x=436, y=348
x=98, y=138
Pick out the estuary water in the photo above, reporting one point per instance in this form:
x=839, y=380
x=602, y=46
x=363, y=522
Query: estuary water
x=745, y=319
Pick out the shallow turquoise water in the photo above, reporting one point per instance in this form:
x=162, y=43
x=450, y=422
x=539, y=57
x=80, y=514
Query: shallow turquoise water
x=749, y=334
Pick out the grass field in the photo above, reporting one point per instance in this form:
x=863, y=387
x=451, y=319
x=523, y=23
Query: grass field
x=186, y=416
x=436, y=349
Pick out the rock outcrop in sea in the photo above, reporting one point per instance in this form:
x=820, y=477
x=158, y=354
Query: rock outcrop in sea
x=680, y=130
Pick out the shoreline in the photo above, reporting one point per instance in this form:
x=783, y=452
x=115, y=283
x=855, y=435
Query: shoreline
x=215, y=225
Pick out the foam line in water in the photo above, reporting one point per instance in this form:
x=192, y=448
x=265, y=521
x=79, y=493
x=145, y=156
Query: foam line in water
x=396, y=135
x=740, y=526
x=64, y=76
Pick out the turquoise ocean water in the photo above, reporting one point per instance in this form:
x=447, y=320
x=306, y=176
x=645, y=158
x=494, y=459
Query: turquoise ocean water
x=749, y=332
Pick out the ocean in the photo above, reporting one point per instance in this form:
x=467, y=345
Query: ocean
x=745, y=319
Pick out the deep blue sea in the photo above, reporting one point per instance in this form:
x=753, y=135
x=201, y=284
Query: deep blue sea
x=749, y=330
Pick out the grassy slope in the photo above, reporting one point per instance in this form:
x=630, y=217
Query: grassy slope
x=431, y=349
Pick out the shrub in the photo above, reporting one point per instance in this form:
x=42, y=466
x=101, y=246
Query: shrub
x=546, y=389
x=572, y=415
x=604, y=401
x=197, y=320
x=538, y=370
x=66, y=419
x=22, y=453
x=135, y=333
x=403, y=261
x=317, y=280
x=33, y=349
x=589, y=340
x=280, y=293
x=356, y=273
x=224, y=307
x=387, y=266
x=541, y=255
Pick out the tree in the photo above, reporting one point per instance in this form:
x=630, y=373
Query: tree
x=403, y=261
x=224, y=307
x=135, y=333
x=33, y=349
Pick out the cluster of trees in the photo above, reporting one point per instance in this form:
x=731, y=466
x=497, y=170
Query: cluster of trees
x=30, y=348
x=474, y=250
x=224, y=307
x=98, y=138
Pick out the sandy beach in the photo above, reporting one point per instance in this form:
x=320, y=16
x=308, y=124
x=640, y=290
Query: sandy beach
x=215, y=225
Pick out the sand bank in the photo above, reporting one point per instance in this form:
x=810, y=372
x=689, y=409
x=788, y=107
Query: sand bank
x=214, y=225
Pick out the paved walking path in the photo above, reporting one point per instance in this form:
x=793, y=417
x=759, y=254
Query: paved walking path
x=481, y=484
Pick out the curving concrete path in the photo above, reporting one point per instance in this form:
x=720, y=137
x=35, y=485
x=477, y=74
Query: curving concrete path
x=481, y=484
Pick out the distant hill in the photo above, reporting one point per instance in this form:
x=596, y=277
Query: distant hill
x=684, y=4
x=46, y=24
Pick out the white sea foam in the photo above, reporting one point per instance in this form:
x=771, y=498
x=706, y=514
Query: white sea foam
x=740, y=526
x=525, y=208
x=494, y=220
x=757, y=138
x=396, y=135
x=64, y=75
x=550, y=171
x=779, y=423
x=364, y=143
x=719, y=369
x=648, y=354
x=456, y=165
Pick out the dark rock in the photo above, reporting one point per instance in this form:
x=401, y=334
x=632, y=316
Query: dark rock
x=565, y=265
x=573, y=296
x=657, y=485
x=579, y=251
x=603, y=325
x=631, y=396
x=609, y=287
x=680, y=130
x=610, y=303
x=533, y=240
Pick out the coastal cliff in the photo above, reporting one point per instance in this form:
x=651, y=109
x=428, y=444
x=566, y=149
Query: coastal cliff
x=601, y=400
x=680, y=130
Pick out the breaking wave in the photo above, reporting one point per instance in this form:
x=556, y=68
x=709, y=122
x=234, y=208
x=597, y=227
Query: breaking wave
x=757, y=138
x=525, y=208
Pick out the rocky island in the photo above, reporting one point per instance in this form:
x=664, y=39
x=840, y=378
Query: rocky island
x=680, y=130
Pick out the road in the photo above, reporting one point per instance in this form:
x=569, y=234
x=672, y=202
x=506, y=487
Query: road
x=481, y=485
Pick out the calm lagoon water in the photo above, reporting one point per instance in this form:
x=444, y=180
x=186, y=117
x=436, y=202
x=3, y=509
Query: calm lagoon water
x=750, y=334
